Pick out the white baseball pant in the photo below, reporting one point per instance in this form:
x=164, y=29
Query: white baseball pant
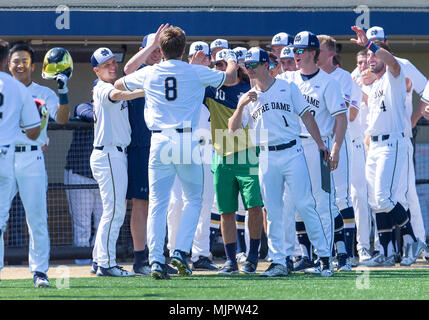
x=32, y=182
x=359, y=193
x=83, y=204
x=109, y=168
x=342, y=176
x=162, y=172
x=325, y=202
x=276, y=169
x=201, y=243
x=7, y=186
x=385, y=160
x=407, y=193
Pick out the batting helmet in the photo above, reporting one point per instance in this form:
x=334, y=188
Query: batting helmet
x=57, y=60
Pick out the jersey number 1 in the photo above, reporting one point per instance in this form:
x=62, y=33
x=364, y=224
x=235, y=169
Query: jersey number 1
x=170, y=85
x=286, y=124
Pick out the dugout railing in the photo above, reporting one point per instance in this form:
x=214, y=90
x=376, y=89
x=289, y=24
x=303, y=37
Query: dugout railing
x=60, y=222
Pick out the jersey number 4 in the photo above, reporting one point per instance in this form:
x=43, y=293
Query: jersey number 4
x=383, y=106
x=170, y=85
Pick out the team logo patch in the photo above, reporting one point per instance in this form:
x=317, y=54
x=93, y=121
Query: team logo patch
x=105, y=52
x=286, y=51
x=277, y=39
x=198, y=47
x=248, y=55
x=374, y=32
x=298, y=39
x=239, y=54
x=218, y=43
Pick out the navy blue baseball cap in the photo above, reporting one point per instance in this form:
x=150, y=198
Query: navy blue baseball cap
x=256, y=54
x=100, y=56
x=306, y=40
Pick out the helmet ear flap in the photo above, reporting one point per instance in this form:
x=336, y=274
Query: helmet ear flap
x=57, y=60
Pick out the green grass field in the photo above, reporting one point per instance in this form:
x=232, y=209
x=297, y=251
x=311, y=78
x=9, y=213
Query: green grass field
x=401, y=284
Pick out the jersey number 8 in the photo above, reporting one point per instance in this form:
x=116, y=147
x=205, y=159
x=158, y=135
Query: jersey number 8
x=170, y=84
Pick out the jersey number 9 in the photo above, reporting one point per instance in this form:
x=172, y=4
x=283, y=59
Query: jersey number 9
x=170, y=88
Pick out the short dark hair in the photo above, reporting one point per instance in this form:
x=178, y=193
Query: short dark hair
x=22, y=46
x=172, y=42
x=4, y=49
x=363, y=52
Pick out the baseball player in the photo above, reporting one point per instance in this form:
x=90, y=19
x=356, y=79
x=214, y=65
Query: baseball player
x=83, y=204
x=323, y=93
x=342, y=176
x=112, y=135
x=30, y=171
x=17, y=112
x=138, y=156
x=232, y=165
x=271, y=106
x=201, y=244
x=359, y=189
x=416, y=81
x=174, y=90
x=216, y=46
x=287, y=61
x=387, y=150
x=279, y=41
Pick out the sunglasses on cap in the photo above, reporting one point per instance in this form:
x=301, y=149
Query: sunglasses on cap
x=299, y=50
x=252, y=65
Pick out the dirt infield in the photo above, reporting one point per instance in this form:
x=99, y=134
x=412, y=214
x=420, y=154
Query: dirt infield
x=82, y=271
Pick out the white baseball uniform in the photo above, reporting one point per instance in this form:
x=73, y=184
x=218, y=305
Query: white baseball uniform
x=174, y=91
x=359, y=188
x=388, y=149
x=409, y=198
x=282, y=162
x=342, y=175
x=32, y=181
x=17, y=112
x=201, y=243
x=323, y=93
x=112, y=134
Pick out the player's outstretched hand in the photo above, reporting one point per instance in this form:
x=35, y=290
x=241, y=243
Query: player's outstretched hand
x=229, y=55
x=161, y=28
x=62, y=83
x=361, y=40
x=198, y=57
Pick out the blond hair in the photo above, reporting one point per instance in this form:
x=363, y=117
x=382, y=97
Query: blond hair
x=330, y=42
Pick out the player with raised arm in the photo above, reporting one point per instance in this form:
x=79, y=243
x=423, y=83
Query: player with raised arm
x=387, y=150
x=272, y=106
x=30, y=170
x=174, y=90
